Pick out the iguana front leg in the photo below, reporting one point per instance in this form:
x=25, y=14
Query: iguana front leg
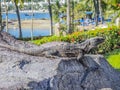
x=80, y=57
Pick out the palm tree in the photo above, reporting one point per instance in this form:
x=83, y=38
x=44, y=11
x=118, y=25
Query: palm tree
x=100, y=10
x=6, y=10
x=73, y=16
x=68, y=17
x=113, y=5
x=56, y=11
x=51, y=20
x=32, y=21
x=18, y=15
x=0, y=17
x=96, y=7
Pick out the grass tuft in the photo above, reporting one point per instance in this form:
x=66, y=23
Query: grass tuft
x=114, y=58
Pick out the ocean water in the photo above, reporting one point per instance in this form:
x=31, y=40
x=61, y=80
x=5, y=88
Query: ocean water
x=24, y=15
x=27, y=32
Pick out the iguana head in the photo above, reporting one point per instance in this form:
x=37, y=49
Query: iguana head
x=95, y=41
x=92, y=43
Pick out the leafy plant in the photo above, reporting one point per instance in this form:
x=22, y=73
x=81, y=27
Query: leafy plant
x=111, y=35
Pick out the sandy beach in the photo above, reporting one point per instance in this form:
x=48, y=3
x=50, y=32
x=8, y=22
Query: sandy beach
x=45, y=24
x=39, y=24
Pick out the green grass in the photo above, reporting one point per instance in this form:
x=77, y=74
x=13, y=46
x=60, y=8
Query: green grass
x=114, y=58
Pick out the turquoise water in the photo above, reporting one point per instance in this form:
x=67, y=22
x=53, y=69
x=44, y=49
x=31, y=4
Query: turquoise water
x=24, y=16
x=27, y=32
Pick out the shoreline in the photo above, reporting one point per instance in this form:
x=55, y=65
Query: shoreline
x=27, y=24
x=29, y=11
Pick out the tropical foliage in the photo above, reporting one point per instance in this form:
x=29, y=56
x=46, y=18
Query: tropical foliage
x=111, y=34
x=100, y=8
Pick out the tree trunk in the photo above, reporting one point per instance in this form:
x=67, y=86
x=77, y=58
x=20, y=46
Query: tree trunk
x=96, y=6
x=68, y=17
x=73, y=17
x=19, y=21
x=32, y=21
x=0, y=17
x=6, y=10
x=51, y=20
x=100, y=9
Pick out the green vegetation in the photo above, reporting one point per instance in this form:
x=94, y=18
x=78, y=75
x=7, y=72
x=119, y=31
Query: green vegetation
x=114, y=58
x=103, y=8
x=111, y=35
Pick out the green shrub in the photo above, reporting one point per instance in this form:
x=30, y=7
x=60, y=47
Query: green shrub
x=111, y=35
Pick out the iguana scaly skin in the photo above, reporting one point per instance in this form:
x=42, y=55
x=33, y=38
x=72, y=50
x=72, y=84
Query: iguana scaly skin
x=58, y=49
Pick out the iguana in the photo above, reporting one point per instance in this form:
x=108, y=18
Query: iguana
x=59, y=49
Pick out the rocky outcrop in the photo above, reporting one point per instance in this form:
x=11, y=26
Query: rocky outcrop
x=19, y=71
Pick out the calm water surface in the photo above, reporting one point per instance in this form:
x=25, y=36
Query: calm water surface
x=27, y=32
x=27, y=16
x=24, y=16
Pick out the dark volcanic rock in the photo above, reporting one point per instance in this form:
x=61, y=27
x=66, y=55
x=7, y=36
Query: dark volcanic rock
x=19, y=71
